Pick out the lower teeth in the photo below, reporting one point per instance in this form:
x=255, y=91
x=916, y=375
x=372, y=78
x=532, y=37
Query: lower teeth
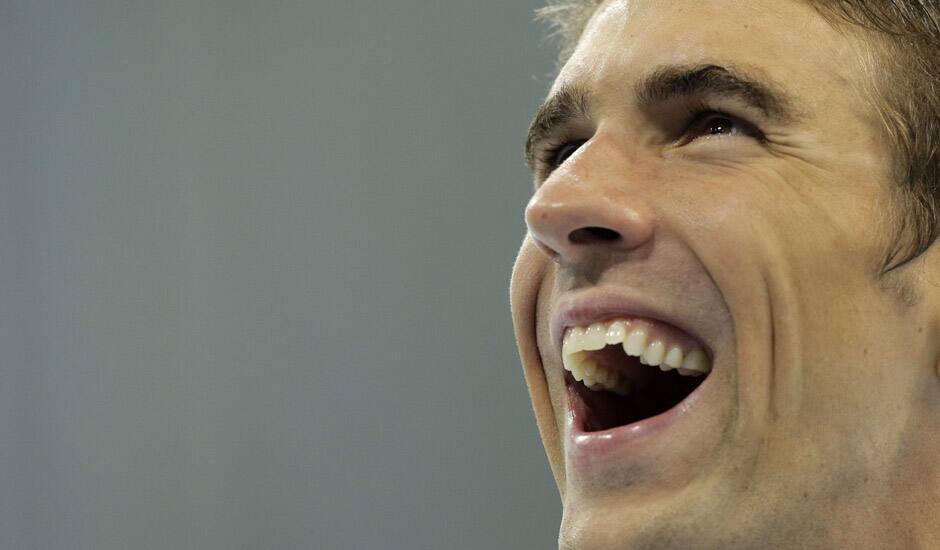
x=597, y=377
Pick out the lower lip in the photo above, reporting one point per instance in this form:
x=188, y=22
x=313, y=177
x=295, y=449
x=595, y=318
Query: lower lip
x=589, y=446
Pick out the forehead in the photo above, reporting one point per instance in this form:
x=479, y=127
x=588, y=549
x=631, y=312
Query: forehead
x=786, y=39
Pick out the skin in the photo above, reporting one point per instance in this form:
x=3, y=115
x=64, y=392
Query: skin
x=822, y=429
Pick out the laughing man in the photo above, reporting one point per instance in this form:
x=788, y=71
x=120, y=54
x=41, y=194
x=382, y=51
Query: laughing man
x=727, y=303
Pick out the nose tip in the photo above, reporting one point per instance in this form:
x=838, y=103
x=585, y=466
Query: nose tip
x=569, y=230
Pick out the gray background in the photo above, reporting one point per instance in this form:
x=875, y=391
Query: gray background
x=254, y=266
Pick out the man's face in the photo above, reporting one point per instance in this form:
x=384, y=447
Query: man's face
x=723, y=192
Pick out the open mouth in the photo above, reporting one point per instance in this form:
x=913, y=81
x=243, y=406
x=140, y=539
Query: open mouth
x=622, y=371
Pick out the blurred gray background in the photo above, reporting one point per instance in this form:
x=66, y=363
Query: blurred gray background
x=254, y=268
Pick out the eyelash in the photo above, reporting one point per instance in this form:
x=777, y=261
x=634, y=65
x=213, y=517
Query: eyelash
x=548, y=157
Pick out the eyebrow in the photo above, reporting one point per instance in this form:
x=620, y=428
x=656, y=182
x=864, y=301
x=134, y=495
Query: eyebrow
x=665, y=84
x=569, y=102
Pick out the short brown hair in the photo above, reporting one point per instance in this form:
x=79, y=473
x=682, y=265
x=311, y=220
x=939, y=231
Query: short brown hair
x=904, y=40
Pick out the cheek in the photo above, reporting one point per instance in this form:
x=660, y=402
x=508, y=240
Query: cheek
x=804, y=221
x=799, y=257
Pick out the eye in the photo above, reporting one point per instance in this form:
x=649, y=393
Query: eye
x=709, y=124
x=553, y=157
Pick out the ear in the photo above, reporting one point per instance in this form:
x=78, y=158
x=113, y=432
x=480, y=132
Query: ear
x=527, y=275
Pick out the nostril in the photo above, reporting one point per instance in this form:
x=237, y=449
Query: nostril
x=589, y=235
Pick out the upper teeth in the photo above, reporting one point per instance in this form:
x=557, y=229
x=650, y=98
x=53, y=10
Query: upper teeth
x=647, y=340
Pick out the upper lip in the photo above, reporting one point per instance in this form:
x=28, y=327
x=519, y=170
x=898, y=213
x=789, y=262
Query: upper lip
x=584, y=307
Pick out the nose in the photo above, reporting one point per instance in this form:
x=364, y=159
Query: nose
x=575, y=219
